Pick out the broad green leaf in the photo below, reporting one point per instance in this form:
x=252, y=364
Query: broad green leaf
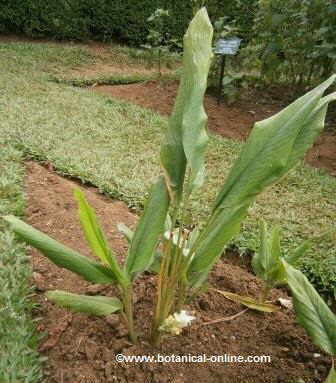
x=149, y=229
x=95, y=237
x=61, y=255
x=186, y=135
x=126, y=231
x=312, y=312
x=274, y=146
x=210, y=244
x=248, y=302
x=332, y=376
x=93, y=305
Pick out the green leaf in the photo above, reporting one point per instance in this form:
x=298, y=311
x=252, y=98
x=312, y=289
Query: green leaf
x=149, y=229
x=210, y=244
x=275, y=145
x=186, y=137
x=91, y=228
x=266, y=262
x=93, y=305
x=95, y=237
x=332, y=375
x=312, y=312
x=61, y=255
x=249, y=302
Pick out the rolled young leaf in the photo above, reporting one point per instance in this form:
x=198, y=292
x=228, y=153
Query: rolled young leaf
x=186, y=137
x=96, y=239
x=61, y=255
x=93, y=305
x=274, y=146
x=311, y=311
x=149, y=229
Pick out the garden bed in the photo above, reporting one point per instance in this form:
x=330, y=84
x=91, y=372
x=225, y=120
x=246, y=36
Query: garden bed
x=82, y=349
x=231, y=121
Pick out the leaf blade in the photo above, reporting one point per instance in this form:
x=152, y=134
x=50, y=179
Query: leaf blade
x=59, y=254
x=186, y=137
x=273, y=148
x=91, y=228
x=149, y=229
x=312, y=312
x=96, y=239
x=92, y=305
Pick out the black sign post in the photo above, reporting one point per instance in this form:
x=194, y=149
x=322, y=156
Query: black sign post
x=228, y=46
x=221, y=76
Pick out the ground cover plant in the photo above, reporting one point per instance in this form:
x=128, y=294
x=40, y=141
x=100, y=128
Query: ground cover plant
x=19, y=359
x=186, y=259
x=303, y=201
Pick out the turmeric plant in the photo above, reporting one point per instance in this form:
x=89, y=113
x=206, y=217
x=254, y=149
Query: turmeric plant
x=160, y=242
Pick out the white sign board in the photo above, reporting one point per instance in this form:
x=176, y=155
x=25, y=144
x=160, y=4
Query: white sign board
x=227, y=46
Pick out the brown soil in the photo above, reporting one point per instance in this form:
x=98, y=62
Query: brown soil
x=232, y=121
x=82, y=349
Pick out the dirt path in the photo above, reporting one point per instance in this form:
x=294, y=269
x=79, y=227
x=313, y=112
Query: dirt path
x=233, y=121
x=82, y=349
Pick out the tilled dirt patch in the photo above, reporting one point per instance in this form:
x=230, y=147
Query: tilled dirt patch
x=83, y=349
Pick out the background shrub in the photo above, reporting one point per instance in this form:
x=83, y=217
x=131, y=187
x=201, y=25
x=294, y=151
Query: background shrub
x=125, y=20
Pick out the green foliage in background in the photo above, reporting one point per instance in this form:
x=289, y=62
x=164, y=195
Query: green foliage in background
x=296, y=43
x=105, y=19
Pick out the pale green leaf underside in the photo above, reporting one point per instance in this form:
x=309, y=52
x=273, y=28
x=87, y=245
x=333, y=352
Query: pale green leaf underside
x=61, y=255
x=312, y=312
x=93, y=305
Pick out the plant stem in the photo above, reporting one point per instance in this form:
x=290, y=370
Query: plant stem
x=169, y=280
x=128, y=313
x=264, y=293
